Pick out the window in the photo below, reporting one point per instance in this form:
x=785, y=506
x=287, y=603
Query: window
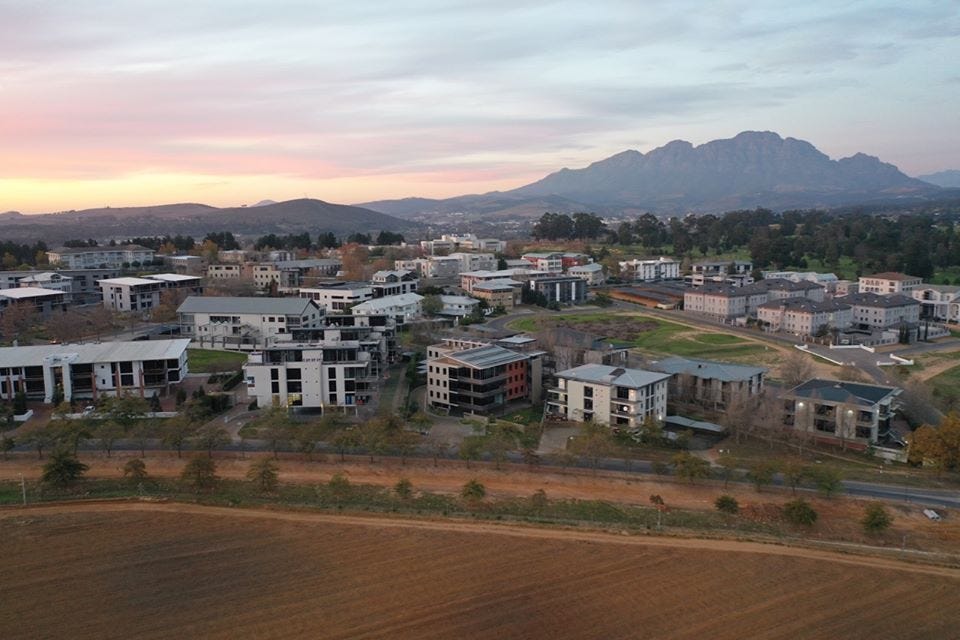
x=275, y=387
x=274, y=373
x=332, y=386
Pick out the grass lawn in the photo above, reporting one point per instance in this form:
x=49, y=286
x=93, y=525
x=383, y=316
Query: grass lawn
x=946, y=382
x=533, y=324
x=207, y=361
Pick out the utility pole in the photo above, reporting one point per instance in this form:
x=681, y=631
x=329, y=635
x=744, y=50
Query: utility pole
x=23, y=489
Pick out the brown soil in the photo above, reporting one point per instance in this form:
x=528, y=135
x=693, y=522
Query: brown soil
x=180, y=571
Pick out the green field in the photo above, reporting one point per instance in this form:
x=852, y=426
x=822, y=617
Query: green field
x=207, y=361
x=946, y=385
x=533, y=324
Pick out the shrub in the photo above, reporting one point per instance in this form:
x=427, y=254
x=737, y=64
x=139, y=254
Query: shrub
x=727, y=504
x=828, y=480
x=473, y=491
x=264, y=474
x=800, y=512
x=876, y=519
x=63, y=470
x=539, y=500
x=762, y=474
x=135, y=470
x=403, y=489
x=200, y=473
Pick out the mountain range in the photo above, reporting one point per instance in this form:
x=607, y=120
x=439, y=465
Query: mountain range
x=947, y=179
x=292, y=216
x=752, y=169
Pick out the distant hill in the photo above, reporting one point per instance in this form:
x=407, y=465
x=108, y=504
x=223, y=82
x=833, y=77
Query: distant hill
x=948, y=179
x=293, y=216
x=749, y=170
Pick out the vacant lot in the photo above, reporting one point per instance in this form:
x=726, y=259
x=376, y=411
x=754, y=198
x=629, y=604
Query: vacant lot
x=208, y=361
x=180, y=571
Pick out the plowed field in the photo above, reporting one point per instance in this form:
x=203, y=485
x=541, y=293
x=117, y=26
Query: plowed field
x=180, y=571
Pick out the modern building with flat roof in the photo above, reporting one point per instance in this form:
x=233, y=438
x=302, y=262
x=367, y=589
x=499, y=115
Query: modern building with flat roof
x=143, y=294
x=708, y=384
x=847, y=413
x=102, y=257
x=403, y=307
x=337, y=297
x=246, y=323
x=615, y=396
x=43, y=301
x=889, y=282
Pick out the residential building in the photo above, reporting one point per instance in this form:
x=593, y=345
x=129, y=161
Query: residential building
x=234, y=256
x=444, y=266
x=475, y=261
x=92, y=370
x=184, y=263
x=267, y=275
x=571, y=259
x=335, y=297
x=377, y=335
x=143, y=294
x=707, y=384
x=591, y=273
x=392, y=283
x=228, y=271
x=781, y=289
x=481, y=378
x=804, y=317
x=845, y=287
x=416, y=265
x=331, y=375
x=849, y=413
x=608, y=395
x=569, y=348
x=560, y=289
x=650, y=270
x=316, y=267
x=736, y=272
x=43, y=301
x=403, y=307
x=876, y=311
x=471, y=278
x=246, y=323
x=463, y=242
x=458, y=306
x=826, y=280
x=101, y=257
x=83, y=282
x=549, y=262
x=50, y=280
x=940, y=303
x=502, y=292
x=722, y=302
x=889, y=282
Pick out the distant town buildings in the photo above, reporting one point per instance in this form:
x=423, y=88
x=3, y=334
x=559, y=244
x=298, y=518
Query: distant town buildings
x=101, y=257
x=451, y=242
x=336, y=297
x=592, y=273
x=709, y=385
x=403, y=307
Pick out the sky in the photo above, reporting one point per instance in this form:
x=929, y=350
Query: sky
x=130, y=102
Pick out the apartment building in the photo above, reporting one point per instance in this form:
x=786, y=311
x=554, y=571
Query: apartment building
x=940, y=303
x=889, y=282
x=848, y=413
x=876, y=311
x=560, y=289
x=709, y=385
x=593, y=273
x=392, y=283
x=377, y=335
x=246, y=323
x=50, y=280
x=615, y=396
x=826, y=280
x=143, y=294
x=503, y=292
x=92, y=370
x=83, y=282
x=463, y=242
x=720, y=302
x=232, y=271
x=475, y=261
x=469, y=279
x=548, y=262
x=804, y=317
x=101, y=257
x=458, y=306
x=650, y=269
x=782, y=289
x=335, y=297
x=331, y=375
x=481, y=378
x=267, y=275
x=404, y=307
x=42, y=301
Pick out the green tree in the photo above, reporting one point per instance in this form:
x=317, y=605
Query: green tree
x=63, y=470
x=124, y=410
x=473, y=491
x=728, y=468
x=264, y=475
x=690, y=467
x=211, y=437
x=403, y=489
x=650, y=430
x=876, y=519
x=41, y=439
x=761, y=474
x=175, y=433
x=135, y=470
x=72, y=432
x=594, y=442
x=431, y=305
x=800, y=512
x=200, y=473
x=829, y=481
x=539, y=500
x=471, y=448
x=727, y=504
x=340, y=488
x=794, y=473
x=7, y=445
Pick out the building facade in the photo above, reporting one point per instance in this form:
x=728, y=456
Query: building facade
x=403, y=307
x=101, y=257
x=336, y=297
x=650, y=270
x=246, y=323
x=889, y=282
x=560, y=289
x=591, y=273
x=848, y=413
x=143, y=294
x=709, y=385
x=940, y=303
x=876, y=311
x=804, y=317
x=608, y=395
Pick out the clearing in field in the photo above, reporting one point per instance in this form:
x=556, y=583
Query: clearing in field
x=181, y=571
x=210, y=361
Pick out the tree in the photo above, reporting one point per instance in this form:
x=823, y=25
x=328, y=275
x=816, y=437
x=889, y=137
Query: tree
x=63, y=327
x=762, y=474
x=800, y=512
x=795, y=368
x=200, y=473
x=794, y=473
x=63, y=470
x=499, y=439
x=539, y=500
x=339, y=488
x=828, y=480
x=876, y=519
x=211, y=437
x=124, y=410
x=470, y=449
x=650, y=430
x=690, y=467
x=264, y=475
x=473, y=491
x=71, y=432
x=727, y=504
x=175, y=433
x=403, y=489
x=107, y=433
x=431, y=305
x=135, y=470
x=657, y=501
x=594, y=443
x=41, y=439
x=728, y=467
x=7, y=445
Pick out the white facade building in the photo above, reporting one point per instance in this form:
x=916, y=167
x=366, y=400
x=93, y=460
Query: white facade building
x=889, y=282
x=336, y=297
x=804, y=317
x=143, y=294
x=93, y=257
x=650, y=270
x=458, y=306
x=403, y=307
x=875, y=311
x=244, y=323
x=938, y=302
x=592, y=273
x=609, y=395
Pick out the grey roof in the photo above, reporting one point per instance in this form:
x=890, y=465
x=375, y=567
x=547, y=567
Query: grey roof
x=497, y=285
x=892, y=275
x=75, y=250
x=838, y=391
x=94, y=352
x=805, y=304
x=723, y=371
x=618, y=376
x=781, y=284
x=867, y=299
x=591, y=266
x=486, y=356
x=23, y=293
x=211, y=304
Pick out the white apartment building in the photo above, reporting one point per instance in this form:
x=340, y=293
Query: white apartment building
x=875, y=311
x=651, y=269
x=101, y=257
x=318, y=376
x=43, y=301
x=458, y=306
x=940, y=303
x=51, y=281
x=827, y=280
x=889, y=282
x=92, y=370
x=804, y=317
x=143, y=294
x=243, y=323
x=471, y=278
x=592, y=273
x=548, y=262
x=403, y=307
x=392, y=283
x=719, y=302
x=463, y=242
x=336, y=297
x=475, y=261
x=609, y=395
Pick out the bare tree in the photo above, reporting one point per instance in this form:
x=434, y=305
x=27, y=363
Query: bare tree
x=796, y=368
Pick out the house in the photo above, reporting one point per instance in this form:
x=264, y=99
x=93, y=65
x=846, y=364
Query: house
x=707, y=384
x=335, y=297
x=481, y=378
x=876, y=311
x=650, y=269
x=889, y=282
x=463, y=242
x=392, y=283
x=43, y=301
x=804, y=317
x=560, y=289
x=608, y=395
x=403, y=307
x=940, y=303
x=549, y=262
x=143, y=294
x=101, y=257
x=848, y=413
x=736, y=272
x=502, y=292
x=267, y=275
x=92, y=370
x=416, y=265
x=312, y=377
x=246, y=323
x=591, y=273
x=458, y=306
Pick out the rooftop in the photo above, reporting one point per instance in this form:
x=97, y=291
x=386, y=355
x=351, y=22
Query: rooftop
x=128, y=282
x=500, y=284
x=259, y=305
x=94, y=352
x=45, y=276
x=124, y=247
x=724, y=371
x=593, y=266
x=838, y=391
x=386, y=302
x=172, y=277
x=805, y=304
x=618, y=376
x=28, y=292
x=867, y=299
x=891, y=275
x=486, y=356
